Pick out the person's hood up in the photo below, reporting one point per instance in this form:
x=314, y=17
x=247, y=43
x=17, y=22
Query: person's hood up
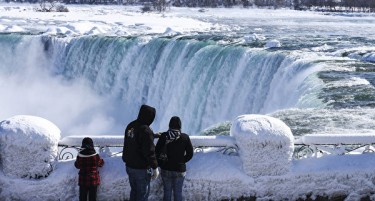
x=175, y=123
x=87, y=147
x=146, y=114
x=174, y=131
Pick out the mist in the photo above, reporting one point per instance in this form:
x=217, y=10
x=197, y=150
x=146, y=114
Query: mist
x=28, y=87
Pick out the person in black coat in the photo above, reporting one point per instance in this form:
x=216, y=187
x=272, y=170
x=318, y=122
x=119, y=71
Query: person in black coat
x=139, y=154
x=179, y=151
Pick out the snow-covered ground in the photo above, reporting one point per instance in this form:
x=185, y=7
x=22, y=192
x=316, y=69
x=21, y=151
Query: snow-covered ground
x=94, y=20
x=210, y=175
x=213, y=176
x=130, y=20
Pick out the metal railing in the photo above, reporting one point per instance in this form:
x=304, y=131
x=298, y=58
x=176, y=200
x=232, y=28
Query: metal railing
x=70, y=145
x=315, y=145
x=311, y=145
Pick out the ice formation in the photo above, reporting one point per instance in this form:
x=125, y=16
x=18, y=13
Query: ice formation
x=28, y=146
x=266, y=144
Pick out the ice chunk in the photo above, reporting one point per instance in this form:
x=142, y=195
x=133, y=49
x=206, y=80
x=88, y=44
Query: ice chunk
x=273, y=43
x=28, y=146
x=265, y=144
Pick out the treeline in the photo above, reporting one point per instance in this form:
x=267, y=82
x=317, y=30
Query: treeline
x=319, y=5
x=336, y=5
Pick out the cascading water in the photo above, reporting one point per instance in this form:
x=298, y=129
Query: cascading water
x=106, y=79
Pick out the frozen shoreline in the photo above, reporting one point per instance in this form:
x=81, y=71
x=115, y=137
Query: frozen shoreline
x=94, y=20
x=115, y=20
x=350, y=176
x=211, y=175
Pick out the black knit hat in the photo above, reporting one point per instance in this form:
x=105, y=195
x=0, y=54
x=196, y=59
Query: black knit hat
x=87, y=143
x=175, y=123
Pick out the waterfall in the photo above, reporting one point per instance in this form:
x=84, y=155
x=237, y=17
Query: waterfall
x=201, y=81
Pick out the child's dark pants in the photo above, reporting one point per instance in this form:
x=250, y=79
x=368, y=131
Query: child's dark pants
x=90, y=190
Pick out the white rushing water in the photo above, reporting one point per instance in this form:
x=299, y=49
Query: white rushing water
x=90, y=80
x=89, y=70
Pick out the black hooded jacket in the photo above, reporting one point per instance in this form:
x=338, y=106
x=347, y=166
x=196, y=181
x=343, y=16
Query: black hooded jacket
x=139, y=148
x=179, y=147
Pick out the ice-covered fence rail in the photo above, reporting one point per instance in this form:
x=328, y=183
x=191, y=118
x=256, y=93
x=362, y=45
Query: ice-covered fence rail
x=313, y=144
x=305, y=146
x=99, y=141
x=223, y=143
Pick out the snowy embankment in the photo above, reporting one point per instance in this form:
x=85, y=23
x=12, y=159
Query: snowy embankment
x=99, y=20
x=210, y=175
x=94, y=20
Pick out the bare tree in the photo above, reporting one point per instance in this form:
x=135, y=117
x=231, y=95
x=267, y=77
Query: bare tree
x=46, y=5
x=160, y=5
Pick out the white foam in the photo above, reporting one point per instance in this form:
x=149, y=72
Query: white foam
x=353, y=81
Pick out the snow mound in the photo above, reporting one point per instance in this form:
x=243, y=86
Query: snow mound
x=87, y=28
x=253, y=38
x=273, y=43
x=353, y=81
x=14, y=28
x=265, y=144
x=324, y=47
x=170, y=32
x=369, y=57
x=28, y=146
x=2, y=28
x=59, y=30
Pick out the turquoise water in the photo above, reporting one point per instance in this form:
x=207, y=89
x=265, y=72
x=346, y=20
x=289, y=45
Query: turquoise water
x=321, y=79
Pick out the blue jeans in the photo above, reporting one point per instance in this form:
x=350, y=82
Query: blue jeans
x=139, y=180
x=172, y=181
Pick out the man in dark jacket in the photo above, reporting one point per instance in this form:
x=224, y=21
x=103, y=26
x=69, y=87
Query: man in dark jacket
x=179, y=151
x=139, y=154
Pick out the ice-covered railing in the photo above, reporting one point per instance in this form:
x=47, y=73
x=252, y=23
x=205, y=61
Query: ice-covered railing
x=71, y=144
x=311, y=145
x=339, y=144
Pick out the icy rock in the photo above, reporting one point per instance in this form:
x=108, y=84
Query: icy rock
x=253, y=38
x=2, y=27
x=14, y=28
x=265, y=144
x=273, y=43
x=28, y=146
x=369, y=57
x=170, y=32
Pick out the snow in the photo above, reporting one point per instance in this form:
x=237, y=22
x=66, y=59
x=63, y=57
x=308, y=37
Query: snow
x=254, y=38
x=257, y=136
x=366, y=53
x=99, y=140
x=210, y=175
x=370, y=57
x=324, y=47
x=273, y=43
x=358, y=138
x=28, y=146
x=116, y=140
x=352, y=81
x=170, y=32
x=94, y=20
